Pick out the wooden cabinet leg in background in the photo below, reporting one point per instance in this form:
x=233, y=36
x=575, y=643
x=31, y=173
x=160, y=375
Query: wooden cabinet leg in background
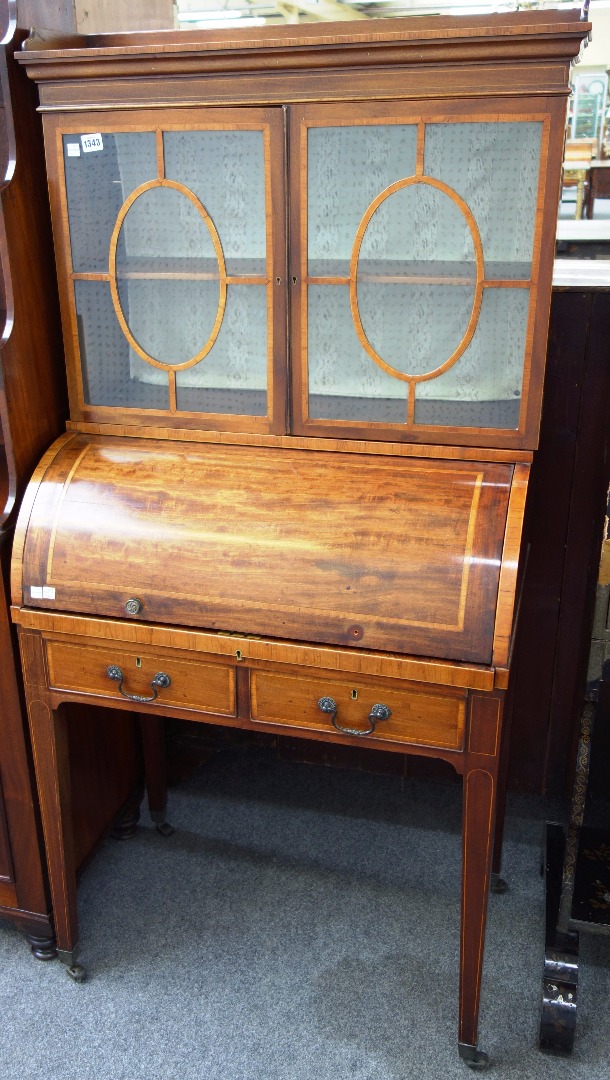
x=155, y=770
x=125, y=826
x=479, y=806
x=498, y=884
x=49, y=735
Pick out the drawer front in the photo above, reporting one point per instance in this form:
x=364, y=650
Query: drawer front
x=418, y=716
x=193, y=684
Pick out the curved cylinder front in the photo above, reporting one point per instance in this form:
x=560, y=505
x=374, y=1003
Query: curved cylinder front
x=394, y=554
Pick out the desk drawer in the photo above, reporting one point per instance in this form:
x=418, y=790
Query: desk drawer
x=193, y=684
x=418, y=715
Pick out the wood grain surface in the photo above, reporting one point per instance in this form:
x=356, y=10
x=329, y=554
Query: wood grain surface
x=400, y=555
x=418, y=716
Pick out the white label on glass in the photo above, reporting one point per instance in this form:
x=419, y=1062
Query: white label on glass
x=73, y=149
x=92, y=142
x=36, y=592
x=48, y=592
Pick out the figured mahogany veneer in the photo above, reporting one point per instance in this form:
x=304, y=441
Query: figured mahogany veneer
x=418, y=716
x=194, y=684
x=284, y=543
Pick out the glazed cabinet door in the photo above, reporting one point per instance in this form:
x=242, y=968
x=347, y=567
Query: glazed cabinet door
x=171, y=255
x=416, y=260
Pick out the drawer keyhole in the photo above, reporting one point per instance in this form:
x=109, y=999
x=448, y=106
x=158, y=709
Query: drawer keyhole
x=354, y=695
x=138, y=661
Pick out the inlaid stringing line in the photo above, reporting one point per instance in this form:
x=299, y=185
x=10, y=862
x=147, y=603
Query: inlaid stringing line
x=160, y=154
x=421, y=138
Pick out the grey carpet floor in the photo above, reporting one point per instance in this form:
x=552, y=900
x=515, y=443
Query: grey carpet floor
x=301, y=924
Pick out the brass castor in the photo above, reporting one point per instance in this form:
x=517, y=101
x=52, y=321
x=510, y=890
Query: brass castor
x=125, y=827
x=498, y=885
x=76, y=973
x=165, y=828
x=473, y=1058
x=73, y=970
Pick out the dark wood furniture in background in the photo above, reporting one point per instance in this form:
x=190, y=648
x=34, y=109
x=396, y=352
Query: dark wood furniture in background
x=598, y=186
x=105, y=756
x=578, y=855
x=101, y=17
x=564, y=519
x=326, y=542
x=32, y=410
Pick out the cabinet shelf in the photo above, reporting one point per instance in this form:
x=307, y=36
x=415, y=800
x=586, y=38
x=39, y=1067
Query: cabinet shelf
x=421, y=272
x=180, y=269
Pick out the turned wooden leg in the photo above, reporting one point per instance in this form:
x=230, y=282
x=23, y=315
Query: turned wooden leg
x=49, y=736
x=155, y=770
x=479, y=804
x=126, y=824
x=43, y=947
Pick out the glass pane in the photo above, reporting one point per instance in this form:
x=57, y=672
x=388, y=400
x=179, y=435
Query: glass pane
x=232, y=378
x=418, y=230
x=97, y=184
x=344, y=383
x=171, y=320
x=168, y=275
x=494, y=166
x=226, y=171
x=348, y=167
x=483, y=389
x=414, y=328
x=163, y=230
x=416, y=275
x=112, y=373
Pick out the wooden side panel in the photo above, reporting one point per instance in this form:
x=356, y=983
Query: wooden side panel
x=105, y=771
x=23, y=860
x=376, y=553
x=6, y=863
x=33, y=404
x=505, y=615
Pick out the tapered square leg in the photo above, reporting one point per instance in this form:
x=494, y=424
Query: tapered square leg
x=478, y=823
x=155, y=770
x=49, y=735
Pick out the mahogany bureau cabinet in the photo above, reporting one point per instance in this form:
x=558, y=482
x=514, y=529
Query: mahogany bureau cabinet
x=304, y=279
